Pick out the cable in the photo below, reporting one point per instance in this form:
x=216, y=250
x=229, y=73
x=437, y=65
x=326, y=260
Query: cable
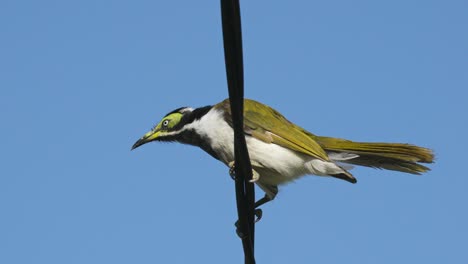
x=245, y=193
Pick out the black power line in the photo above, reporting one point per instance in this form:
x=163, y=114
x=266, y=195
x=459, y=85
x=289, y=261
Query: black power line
x=245, y=193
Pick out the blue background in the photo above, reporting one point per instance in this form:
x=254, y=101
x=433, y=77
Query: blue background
x=81, y=81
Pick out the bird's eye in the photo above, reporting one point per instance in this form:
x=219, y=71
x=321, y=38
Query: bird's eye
x=165, y=123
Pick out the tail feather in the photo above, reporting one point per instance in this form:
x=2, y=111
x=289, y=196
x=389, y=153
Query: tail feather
x=389, y=164
x=390, y=156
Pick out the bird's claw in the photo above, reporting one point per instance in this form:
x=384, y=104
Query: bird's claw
x=255, y=176
x=258, y=215
x=232, y=172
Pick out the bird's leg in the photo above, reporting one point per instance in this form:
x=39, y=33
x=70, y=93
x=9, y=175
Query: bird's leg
x=262, y=201
x=271, y=192
x=257, y=211
x=255, y=175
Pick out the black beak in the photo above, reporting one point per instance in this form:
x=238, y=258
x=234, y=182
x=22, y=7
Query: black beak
x=139, y=142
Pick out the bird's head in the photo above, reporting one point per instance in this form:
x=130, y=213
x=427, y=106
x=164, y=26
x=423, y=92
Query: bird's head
x=168, y=128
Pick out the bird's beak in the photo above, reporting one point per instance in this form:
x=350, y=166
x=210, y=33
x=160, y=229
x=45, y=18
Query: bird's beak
x=148, y=137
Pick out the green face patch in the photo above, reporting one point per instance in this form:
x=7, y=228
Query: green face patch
x=168, y=122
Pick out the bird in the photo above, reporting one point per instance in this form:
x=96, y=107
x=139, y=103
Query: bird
x=281, y=151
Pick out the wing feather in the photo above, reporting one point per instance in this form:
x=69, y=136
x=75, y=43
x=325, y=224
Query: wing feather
x=277, y=130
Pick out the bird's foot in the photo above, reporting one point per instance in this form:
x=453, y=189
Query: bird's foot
x=258, y=215
x=232, y=171
x=255, y=176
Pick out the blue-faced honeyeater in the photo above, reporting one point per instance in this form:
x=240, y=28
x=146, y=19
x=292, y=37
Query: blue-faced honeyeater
x=279, y=150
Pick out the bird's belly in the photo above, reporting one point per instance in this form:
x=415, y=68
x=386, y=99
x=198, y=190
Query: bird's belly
x=275, y=164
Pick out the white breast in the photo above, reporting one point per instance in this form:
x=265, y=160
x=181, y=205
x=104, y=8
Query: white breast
x=277, y=164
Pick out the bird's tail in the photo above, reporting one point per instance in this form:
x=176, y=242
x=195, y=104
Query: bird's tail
x=390, y=156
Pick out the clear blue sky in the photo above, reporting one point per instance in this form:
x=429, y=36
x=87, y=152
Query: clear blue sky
x=80, y=81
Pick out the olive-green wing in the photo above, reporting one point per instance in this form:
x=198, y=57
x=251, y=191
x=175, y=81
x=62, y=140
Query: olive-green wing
x=268, y=125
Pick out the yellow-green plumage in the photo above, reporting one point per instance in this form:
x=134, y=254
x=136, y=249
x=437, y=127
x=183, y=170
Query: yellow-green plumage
x=268, y=125
x=390, y=156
